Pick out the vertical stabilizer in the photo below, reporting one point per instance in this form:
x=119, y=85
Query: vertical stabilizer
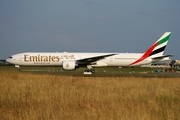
x=157, y=49
x=160, y=45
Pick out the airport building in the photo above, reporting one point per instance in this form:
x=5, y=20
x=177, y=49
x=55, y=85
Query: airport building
x=168, y=64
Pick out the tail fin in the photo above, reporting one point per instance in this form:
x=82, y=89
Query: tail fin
x=157, y=49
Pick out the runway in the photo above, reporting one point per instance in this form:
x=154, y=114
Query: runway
x=101, y=74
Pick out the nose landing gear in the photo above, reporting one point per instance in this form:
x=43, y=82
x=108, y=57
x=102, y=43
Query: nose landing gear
x=18, y=68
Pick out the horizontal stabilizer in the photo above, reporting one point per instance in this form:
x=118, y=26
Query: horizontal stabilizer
x=162, y=57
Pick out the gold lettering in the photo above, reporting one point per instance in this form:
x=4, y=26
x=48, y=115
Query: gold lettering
x=49, y=58
x=33, y=58
x=46, y=59
x=58, y=59
x=71, y=56
x=25, y=58
x=39, y=58
x=42, y=58
x=53, y=57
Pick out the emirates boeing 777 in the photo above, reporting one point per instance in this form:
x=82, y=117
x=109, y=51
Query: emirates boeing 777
x=72, y=61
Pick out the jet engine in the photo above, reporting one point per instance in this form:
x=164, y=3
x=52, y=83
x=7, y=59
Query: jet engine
x=68, y=65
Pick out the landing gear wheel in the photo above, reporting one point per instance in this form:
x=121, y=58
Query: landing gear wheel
x=18, y=70
x=93, y=71
x=88, y=71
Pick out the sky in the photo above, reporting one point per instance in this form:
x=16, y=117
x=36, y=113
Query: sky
x=87, y=25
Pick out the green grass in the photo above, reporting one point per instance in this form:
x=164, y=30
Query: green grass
x=80, y=70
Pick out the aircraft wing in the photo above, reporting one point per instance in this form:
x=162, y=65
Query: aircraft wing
x=93, y=59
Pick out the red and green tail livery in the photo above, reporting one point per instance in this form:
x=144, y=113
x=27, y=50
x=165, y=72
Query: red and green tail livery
x=156, y=50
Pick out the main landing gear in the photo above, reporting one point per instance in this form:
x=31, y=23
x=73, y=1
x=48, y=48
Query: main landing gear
x=89, y=71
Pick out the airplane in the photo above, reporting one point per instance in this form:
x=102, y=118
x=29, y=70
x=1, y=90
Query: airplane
x=72, y=61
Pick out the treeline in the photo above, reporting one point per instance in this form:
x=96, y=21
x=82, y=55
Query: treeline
x=4, y=63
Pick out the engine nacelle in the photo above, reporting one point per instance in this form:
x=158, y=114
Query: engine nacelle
x=68, y=65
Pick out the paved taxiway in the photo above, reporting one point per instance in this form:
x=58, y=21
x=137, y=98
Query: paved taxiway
x=101, y=74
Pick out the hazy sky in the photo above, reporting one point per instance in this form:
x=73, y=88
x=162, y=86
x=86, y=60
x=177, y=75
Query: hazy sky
x=87, y=25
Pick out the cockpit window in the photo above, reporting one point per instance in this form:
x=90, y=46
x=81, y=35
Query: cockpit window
x=10, y=57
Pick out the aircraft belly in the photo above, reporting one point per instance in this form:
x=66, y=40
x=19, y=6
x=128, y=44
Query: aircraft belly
x=119, y=62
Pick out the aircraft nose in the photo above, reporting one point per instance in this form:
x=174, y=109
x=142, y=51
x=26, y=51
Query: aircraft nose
x=9, y=59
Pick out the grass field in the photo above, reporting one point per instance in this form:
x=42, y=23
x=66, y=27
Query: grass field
x=30, y=96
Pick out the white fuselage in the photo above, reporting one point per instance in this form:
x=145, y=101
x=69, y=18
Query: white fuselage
x=71, y=61
x=56, y=59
